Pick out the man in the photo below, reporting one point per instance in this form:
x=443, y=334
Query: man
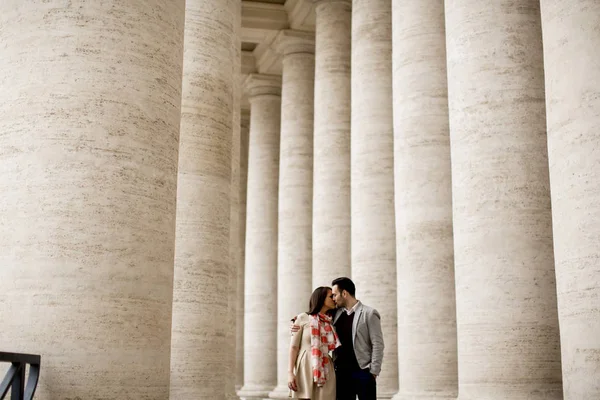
x=358, y=360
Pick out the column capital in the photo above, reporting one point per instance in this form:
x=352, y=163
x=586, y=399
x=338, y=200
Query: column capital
x=290, y=41
x=262, y=84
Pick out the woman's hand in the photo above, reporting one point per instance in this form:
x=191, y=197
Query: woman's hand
x=292, y=382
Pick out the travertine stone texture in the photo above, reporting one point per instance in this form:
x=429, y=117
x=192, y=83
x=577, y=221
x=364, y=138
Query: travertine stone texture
x=331, y=174
x=427, y=357
x=244, y=136
x=260, y=314
x=89, y=129
x=571, y=31
x=294, y=272
x=234, y=233
x=508, y=343
x=372, y=169
x=200, y=339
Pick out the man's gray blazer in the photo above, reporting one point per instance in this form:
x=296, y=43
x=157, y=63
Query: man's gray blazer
x=366, y=336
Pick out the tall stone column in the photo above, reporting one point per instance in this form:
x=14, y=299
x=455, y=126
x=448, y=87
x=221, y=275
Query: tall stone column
x=572, y=70
x=373, y=226
x=427, y=357
x=234, y=215
x=508, y=340
x=244, y=137
x=294, y=272
x=331, y=179
x=89, y=134
x=200, y=342
x=260, y=297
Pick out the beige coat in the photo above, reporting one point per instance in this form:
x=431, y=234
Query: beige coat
x=307, y=389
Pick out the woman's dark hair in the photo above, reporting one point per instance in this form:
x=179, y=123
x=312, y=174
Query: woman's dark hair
x=317, y=299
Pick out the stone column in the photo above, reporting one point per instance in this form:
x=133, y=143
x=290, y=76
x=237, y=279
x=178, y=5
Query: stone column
x=200, y=342
x=373, y=226
x=508, y=341
x=244, y=136
x=294, y=272
x=234, y=215
x=427, y=357
x=331, y=187
x=88, y=173
x=572, y=70
x=260, y=315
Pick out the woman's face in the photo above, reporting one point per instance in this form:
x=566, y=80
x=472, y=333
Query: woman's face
x=329, y=301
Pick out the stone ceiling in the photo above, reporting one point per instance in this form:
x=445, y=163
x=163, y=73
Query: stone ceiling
x=261, y=21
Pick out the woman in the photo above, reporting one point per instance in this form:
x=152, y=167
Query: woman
x=310, y=370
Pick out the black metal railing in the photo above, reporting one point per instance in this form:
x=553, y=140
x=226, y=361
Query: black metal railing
x=15, y=376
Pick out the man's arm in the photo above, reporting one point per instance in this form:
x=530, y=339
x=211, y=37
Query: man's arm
x=376, y=336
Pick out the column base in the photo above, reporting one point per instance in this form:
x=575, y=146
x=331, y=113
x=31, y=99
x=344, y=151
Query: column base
x=515, y=392
x=425, y=396
x=254, y=392
x=280, y=392
x=381, y=395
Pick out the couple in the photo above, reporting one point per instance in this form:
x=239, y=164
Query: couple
x=338, y=322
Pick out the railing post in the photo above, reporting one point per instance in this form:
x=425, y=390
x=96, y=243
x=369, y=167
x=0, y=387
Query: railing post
x=18, y=386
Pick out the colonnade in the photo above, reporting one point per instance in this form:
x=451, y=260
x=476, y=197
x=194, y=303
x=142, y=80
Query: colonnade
x=443, y=154
x=451, y=210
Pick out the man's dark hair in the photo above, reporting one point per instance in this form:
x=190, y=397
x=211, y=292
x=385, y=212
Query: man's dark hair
x=317, y=299
x=346, y=284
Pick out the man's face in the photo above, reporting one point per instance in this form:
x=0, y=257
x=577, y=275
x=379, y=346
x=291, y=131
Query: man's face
x=338, y=297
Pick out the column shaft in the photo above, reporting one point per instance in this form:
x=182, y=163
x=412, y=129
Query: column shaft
x=260, y=315
x=88, y=171
x=373, y=225
x=244, y=137
x=294, y=272
x=331, y=180
x=200, y=342
x=427, y=356
x=572, y=70
x=508, y=343
x=234, y=216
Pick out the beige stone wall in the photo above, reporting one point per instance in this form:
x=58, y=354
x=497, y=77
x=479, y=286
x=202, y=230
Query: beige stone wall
x=90, y=106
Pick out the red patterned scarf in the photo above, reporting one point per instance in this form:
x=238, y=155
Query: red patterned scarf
x=322, y=340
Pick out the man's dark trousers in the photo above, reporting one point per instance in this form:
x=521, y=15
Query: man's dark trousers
x=350, y=384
